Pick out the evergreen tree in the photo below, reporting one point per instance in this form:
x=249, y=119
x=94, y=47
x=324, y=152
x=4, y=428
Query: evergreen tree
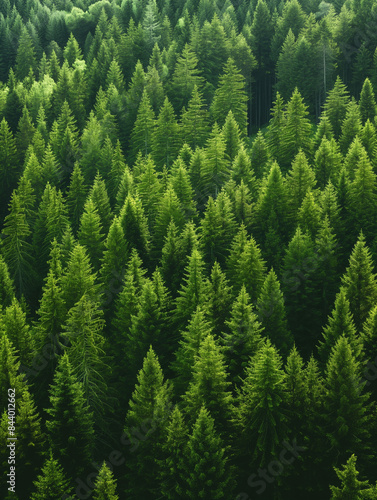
x=195, y=122
x=9, y=167
x=296, y=132
x=300, y=179
x=360, y=282
x=173, y=448
x=351, y=487
x=367, y=102
x=340, y=323
x=149, y=410
x=25, y=60
x=230, y=96
x=206, y=472
x=259, y=156
x=336, y=106
x=274, y=135
x=166, y=137
x=90, y=234
x=141, y=137
x=214, y=171
x=272, y=315
x=51, y=483
x=69, y=422
x=327, y=162
x=6, y=285
x=185, y=79
x=243, y=336
x=231, y=131
x=209, y=386
x=351, y=126
x=105, y=486
x=347, y=417
x=260, y=416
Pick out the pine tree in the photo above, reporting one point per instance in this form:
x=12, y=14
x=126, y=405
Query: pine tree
x=17, y=249
x=260, y=416
x=230, y=96
x=340, y=323
x=242, y=338
x=191, y=293
x=141, y=137
x=173, y=448
x=360, y=282
x=309, y=215
x=206, y=471
x=219, y=300
x=362, y=197
x=99, y=196
x=327, y=162
x=218, y=228
x=90, y=234
x=52, y=482
x=300, y=179
x=368, y=137
x=274, y=135
x=351, y=126
x=191, y=338
x=272, y=315
x=166, y=137
x=185, y=78
x=78, y=278
x=367, y=102
x=16, y=328
x=105, y=485
x=351, y=487
x=336, y=106
x=9, y=167
x=70, y=421
x=25, y=59
x=245, y=264
x=347, y=418
x=149, y=410
x=83, y=335
x=134, y=225
x=180, y=182
x=298, y=272
x=25, y=133
x=231, y=131
x=195, y=121
x=6, y=285
x=76, y=196
x=296, y=132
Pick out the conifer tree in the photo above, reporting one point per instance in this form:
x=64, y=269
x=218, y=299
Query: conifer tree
x=195, y=121
x=76, y=196
x=16, y=328
x=368, y=137
x=166, y=137
x=274, y=135
x=99, y=196
x=347, y=417
x=309, y=215
x=173, y=448
x=340, y=323
x=272, y=315
x=367, y=102
x=90, y=234
x=351, y=487
x=185, y=78
x=214, y=171
x=149, y=410
x=259, y=156
x=327, y=162
x=219, y=301
x=191, y=292
x=296, y=132
x=230, y=96
x=260, y=416
x=242, y=338
x=134, y=225
x=300, y=179
x=9, y=167
x=105, y=485
x=52, y=482
x=78, y=278
x=231, y=131
x=70, y=421
x=206, y=472
x=209, y=386
x=360, y=282
x=141, y=137
x=218, y=228
x=25, y=59
x=336, y=106
x=351, y=126
x=6, y=285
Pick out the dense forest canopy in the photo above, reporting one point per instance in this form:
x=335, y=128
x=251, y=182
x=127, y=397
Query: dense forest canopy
x=188, y=217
